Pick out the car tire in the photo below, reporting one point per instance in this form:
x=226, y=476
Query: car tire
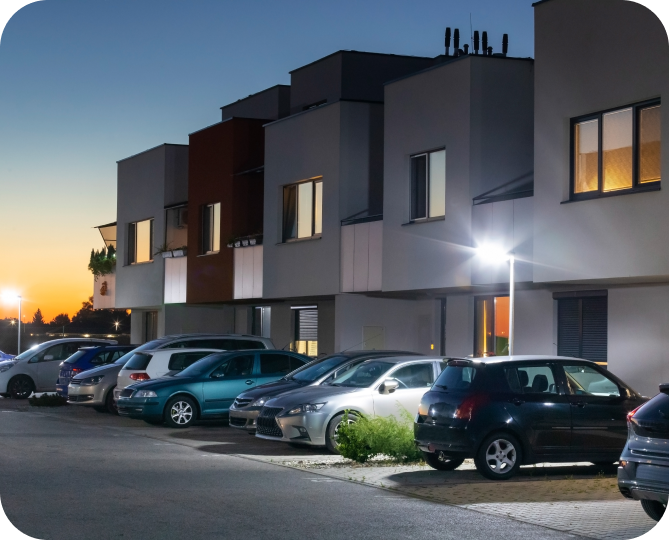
x=20, y=387
x=438, y=461
x=654, y=509
x=180, y=412
x=110, y=405
x=333, y=429
x=100, y=409
x=499, y=457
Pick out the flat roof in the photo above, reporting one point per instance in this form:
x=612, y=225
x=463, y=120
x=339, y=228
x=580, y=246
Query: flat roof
x=256, y=94
x=150, y=150
x=342, y=51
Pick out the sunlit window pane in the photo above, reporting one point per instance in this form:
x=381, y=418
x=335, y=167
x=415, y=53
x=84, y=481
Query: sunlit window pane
x=617, y=146
x=484, y=337
x=143, y=229
x=438, y=183
x=216, y=227
x=649, y=144
x=502, y=325
x=586, y=156
x=318, y=208
x=305, y=205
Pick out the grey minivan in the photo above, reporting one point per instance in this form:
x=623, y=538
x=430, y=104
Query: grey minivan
x=643, y=473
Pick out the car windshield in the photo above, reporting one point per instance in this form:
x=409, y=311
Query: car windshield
x=145, y=347
x=363, y=375
x=316, y=369
x=202, y=366
x=28, y=353
x=75, y=357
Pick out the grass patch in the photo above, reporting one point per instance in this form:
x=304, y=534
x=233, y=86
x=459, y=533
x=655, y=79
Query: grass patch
x=48, y=400
x=367, y=438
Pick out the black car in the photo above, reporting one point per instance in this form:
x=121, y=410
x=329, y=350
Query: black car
x=246, y=408
x=510, y=411
x=643, y=473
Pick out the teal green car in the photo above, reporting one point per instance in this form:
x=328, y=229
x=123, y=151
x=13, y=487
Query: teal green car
x=207, y=388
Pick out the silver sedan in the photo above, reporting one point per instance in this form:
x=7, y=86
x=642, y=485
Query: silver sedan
x=377, y=387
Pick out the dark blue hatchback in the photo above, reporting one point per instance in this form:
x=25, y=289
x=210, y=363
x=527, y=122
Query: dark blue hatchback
x=88, y=358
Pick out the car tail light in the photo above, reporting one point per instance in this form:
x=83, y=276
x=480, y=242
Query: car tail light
x=139, y=376
x=76, y=370
x=632, y=413
x=466, y=408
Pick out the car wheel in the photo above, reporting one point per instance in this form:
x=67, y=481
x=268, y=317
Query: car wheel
x=439, y=461
x=21, y=387
x=110, y=406
x=499, y=457
x=180, y=412
x=654, y=509
x=332, y=432
x=100, y=409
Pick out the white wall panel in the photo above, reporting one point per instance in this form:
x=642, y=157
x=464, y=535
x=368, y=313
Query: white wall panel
x=347, y=249
x=248, y=280
x=361, y=257
x=175, y=280
x=106, y=301
x=257, y=271
x=374, y=282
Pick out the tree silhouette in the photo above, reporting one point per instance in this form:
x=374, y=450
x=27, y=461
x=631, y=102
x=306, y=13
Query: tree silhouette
x=62, y=319
x=37, y=317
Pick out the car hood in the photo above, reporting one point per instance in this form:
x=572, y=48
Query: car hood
x=102, y=370
x=271, y=389
x=311, y=394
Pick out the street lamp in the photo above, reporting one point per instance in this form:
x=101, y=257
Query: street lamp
x=496, y=255
x=12, y=296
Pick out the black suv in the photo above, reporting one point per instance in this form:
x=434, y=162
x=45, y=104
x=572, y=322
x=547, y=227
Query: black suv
x=643, y=474
x=510, y=411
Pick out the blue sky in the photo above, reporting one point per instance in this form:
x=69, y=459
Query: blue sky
x=88, y=82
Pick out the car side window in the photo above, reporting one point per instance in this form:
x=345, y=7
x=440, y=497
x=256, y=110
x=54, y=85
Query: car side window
x=101, y=358
x=274, y=363
x=240, y=366
x=537, y=379
x=57, y=353
x=180, y=361
x=414, y=376
x=587, y=381
x=220, y=370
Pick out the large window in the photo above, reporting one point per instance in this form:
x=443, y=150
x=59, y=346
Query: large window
x=491, y=335
x=140, y=241
x=211, y=228
x=616, y=151
x=583, y=327
x=428, y=185
x=303, y=210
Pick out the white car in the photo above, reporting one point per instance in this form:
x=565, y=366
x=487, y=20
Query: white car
x=37, y=369
x=146, y=365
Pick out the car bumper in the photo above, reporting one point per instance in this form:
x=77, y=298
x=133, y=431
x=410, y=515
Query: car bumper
x=61, y=387
x=452, y=441
x=143, y=408
x=92, y=396
x=643, y=481
x=244, y=418
x=308, y=429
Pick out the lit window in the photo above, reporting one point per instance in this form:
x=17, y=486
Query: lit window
x=211, y=228
x=140, y=241
x=491, y=326
x=428, y=185
x=303, y=210
x=616, y=151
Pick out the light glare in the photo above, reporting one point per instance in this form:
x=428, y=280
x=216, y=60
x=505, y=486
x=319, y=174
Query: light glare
x=492, y=254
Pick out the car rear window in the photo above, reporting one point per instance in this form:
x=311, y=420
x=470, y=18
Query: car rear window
x=655, y=410
x=179, y=361
x=138, y=361
x=75, y=357
x=457, y=376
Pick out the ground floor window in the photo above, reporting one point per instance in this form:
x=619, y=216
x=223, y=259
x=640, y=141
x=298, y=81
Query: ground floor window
x=583, y=327
x=261, y=322
x=491, y=329
x=306, y=330
x=150, y=325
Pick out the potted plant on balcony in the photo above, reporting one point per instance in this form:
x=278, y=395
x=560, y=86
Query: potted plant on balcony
x=164, y=250
x=179, y=252
x=102, y=262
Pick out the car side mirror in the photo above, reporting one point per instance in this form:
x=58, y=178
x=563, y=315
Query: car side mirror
x=388, y=386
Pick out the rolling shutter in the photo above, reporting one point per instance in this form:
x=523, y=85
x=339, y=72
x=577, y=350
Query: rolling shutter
x=306, y=325
x=582, y=328
x=569, y=327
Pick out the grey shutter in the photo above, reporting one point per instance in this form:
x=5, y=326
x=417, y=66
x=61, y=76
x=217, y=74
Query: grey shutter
x=594, y=329
x=569, y=327
x=306, y=325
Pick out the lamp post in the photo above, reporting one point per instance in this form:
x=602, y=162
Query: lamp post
x=10, y=296
x=497, y=255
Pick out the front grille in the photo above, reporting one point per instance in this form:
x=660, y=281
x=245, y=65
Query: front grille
x=75, y=382
x=267, y=422
x=237, y=421
x=74, y=399
x=241, y=403
x=126, y=393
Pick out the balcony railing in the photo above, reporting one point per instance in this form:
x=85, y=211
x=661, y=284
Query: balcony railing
x=175, y=280
x=361, y=254
x=248, y=272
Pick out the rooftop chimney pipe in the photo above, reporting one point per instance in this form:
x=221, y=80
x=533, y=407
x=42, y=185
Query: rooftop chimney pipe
x=476, y=41
x=485, y=42
x=447, y=40
x=505, y=44
x=466, y=48
x=489, y=51
x=456, y=41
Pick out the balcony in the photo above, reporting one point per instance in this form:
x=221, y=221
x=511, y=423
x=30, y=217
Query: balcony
x=175, y=280
x=248, y=272
x=361, y=254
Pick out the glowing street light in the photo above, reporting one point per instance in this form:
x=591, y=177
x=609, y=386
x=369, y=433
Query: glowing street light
x=493, y=255
x=13, y=296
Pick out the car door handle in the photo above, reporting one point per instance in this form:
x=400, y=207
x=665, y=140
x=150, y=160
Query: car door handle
x=580, y=404
x=249, y=382
x=516, y=401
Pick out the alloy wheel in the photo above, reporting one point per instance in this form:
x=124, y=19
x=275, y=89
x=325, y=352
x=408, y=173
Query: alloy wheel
x=181, y=412
x=21, y=388
x=501, y=456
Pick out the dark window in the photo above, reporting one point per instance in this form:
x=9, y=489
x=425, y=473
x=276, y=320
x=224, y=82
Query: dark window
x=240, y=366
x=297, y=363
x=150, y=325
x=456, y=376
x=582, y=328
x=531, y=379
x=428, y=185
x=274, y=363
x=59, y=352
x=179, y=361
x=303, y=210
x=75, y=357
x=289, y=212
x=138, y=361
x=242, y=344
x=414, y=376
x=211, y=228
x=616, y=151
x=104, y=357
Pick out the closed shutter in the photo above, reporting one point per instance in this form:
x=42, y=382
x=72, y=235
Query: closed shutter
x=306, y=325
x=582, y=328
x=569, y=327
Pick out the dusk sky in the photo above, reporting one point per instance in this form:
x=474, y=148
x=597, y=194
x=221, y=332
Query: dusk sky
x=86, y=83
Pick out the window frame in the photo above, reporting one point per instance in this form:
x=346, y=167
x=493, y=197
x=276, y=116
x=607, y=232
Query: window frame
x=599, y=116
x=427, y=154
x=208, y=223
x=131, y=251
x=296, y=186
x=485, y=297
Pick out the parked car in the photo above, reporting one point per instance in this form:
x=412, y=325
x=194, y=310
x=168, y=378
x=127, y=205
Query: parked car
x=36, y=370
x=643, y=474
x=95, y=388
x=245, y=409
x=204, y=390
x=88, y=358
x=375, y=387
x=509, y=411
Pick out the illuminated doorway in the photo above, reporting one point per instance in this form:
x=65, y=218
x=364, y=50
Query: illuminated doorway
x=491, y=331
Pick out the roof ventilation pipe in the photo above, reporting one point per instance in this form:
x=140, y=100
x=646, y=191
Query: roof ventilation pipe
x=484, y=42
x=456, y=42
x=476, y=41
x=505, y=44
x=447, y=40
x=466, y=48
x=489, y=51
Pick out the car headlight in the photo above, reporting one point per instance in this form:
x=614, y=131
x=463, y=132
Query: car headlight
x=306, y=408
x=6, y=368
x=260, y=401
x=144, y=394
x=92, y=381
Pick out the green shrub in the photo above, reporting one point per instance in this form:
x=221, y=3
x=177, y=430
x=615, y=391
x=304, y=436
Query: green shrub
x=48, y=400
x=380, y=436
x=102, y=262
